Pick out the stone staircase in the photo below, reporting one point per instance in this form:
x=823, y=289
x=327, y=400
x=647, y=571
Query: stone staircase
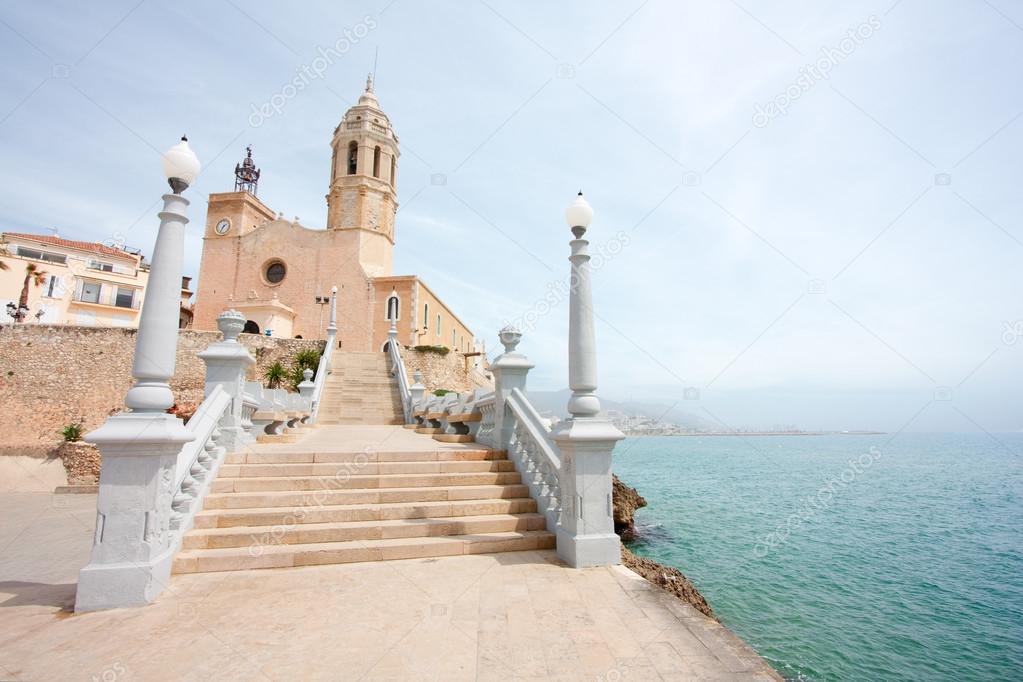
x=294, y=506
x=360, y=390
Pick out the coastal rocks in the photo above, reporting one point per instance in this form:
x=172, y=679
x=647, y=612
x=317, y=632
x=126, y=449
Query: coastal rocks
x=667, y=578
x=626, y=501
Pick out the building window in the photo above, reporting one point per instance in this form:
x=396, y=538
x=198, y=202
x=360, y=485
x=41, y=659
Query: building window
x=353, y=157
x=376, y=162
x=99, y=265
x=90, y=292
x=42, y=255
x=392, y=307
x=53, y=287
x=426, y=317
x=275, y=272
x=453, y=346
x=394, y=169
x=438, y=325
x=125, y=297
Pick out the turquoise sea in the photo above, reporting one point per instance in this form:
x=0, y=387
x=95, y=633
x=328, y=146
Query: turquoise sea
x=847, y=557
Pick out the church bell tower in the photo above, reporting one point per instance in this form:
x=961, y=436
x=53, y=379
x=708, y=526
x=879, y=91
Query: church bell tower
x=363, y=188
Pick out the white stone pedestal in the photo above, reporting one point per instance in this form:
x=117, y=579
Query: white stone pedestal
x=586, y=535
x=132, y=549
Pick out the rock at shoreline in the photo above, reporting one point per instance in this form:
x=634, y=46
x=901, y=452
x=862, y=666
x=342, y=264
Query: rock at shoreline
x=667, y=578
x=626, y=501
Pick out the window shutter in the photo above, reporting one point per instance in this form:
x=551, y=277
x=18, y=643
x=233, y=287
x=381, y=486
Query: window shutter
x=78, y=289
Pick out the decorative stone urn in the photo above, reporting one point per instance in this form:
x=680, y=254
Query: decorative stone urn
x=231, y=323
x=510, y=337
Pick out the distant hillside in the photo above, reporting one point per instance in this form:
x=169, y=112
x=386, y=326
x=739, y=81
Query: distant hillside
x=554, y=402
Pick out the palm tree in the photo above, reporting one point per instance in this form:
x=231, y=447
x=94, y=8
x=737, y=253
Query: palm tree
x=32, y=275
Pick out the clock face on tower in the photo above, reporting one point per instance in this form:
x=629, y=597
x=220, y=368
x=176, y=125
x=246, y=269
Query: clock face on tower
x=223, y=226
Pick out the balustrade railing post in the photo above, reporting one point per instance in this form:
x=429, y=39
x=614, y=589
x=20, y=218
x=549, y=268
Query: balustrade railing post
x=586, y=534
x=510, y=370
x=306, y=387
x=331, y=326
x=417, y=390
x=226, y=364
x=132, y=547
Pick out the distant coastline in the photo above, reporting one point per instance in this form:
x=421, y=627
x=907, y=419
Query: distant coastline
x=640, y=434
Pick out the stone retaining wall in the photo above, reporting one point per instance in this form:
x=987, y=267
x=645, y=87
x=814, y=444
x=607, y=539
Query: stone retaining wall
x=452, y=371
x=53, y=375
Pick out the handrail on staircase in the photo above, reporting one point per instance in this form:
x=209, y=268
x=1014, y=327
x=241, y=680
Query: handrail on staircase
x=399, y=372
x=323, y=368
x=536, y=456
x=198, y=460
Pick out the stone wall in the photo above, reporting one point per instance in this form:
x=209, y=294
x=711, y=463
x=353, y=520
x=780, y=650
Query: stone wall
x=452, y=371
x=53, y=375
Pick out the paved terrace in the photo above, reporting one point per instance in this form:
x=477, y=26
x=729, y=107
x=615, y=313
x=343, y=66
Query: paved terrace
x=507, y=616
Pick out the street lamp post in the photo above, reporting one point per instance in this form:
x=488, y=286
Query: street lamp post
x=132, y=547
x=586, y=534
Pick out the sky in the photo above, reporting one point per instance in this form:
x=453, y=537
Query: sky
x=806, y=213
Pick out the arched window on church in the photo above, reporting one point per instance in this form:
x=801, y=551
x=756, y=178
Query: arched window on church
x=393, y=308
x=353, y=157
x=426, y=317
x=394, y=169
x=376, y=162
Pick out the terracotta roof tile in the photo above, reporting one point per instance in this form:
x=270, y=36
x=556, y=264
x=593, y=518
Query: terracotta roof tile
x=95, y=247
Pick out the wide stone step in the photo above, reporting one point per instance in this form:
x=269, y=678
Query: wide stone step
x=366, y=468
x=297, y=498
x=283, y=556
x=345, y=480
x=267, y=456
x=347, y=531
x=231, y=518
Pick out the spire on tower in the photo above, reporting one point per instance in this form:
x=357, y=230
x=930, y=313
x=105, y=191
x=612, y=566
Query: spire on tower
x=369, y=82
x=246, y=175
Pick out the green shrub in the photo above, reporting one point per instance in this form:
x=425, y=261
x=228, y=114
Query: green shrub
x=439, y=350
x=295, y=376
x=275, y=374
x=440, y=392
x=307, y=358
x=72, y=432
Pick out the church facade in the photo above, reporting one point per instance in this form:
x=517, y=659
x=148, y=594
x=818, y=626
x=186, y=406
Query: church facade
x=279, y=273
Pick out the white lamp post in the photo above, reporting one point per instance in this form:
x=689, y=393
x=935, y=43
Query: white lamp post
x=131, y=551
x=586, y=534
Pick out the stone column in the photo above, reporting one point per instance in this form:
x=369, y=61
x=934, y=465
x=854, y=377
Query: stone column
x=226, y=364
x=305, y=389
x=132, y=547
x=332, y=326
x=417, y=389
x=510, y=370
x=586, y=534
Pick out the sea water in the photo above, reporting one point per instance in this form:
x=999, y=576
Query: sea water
x=846, y=557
